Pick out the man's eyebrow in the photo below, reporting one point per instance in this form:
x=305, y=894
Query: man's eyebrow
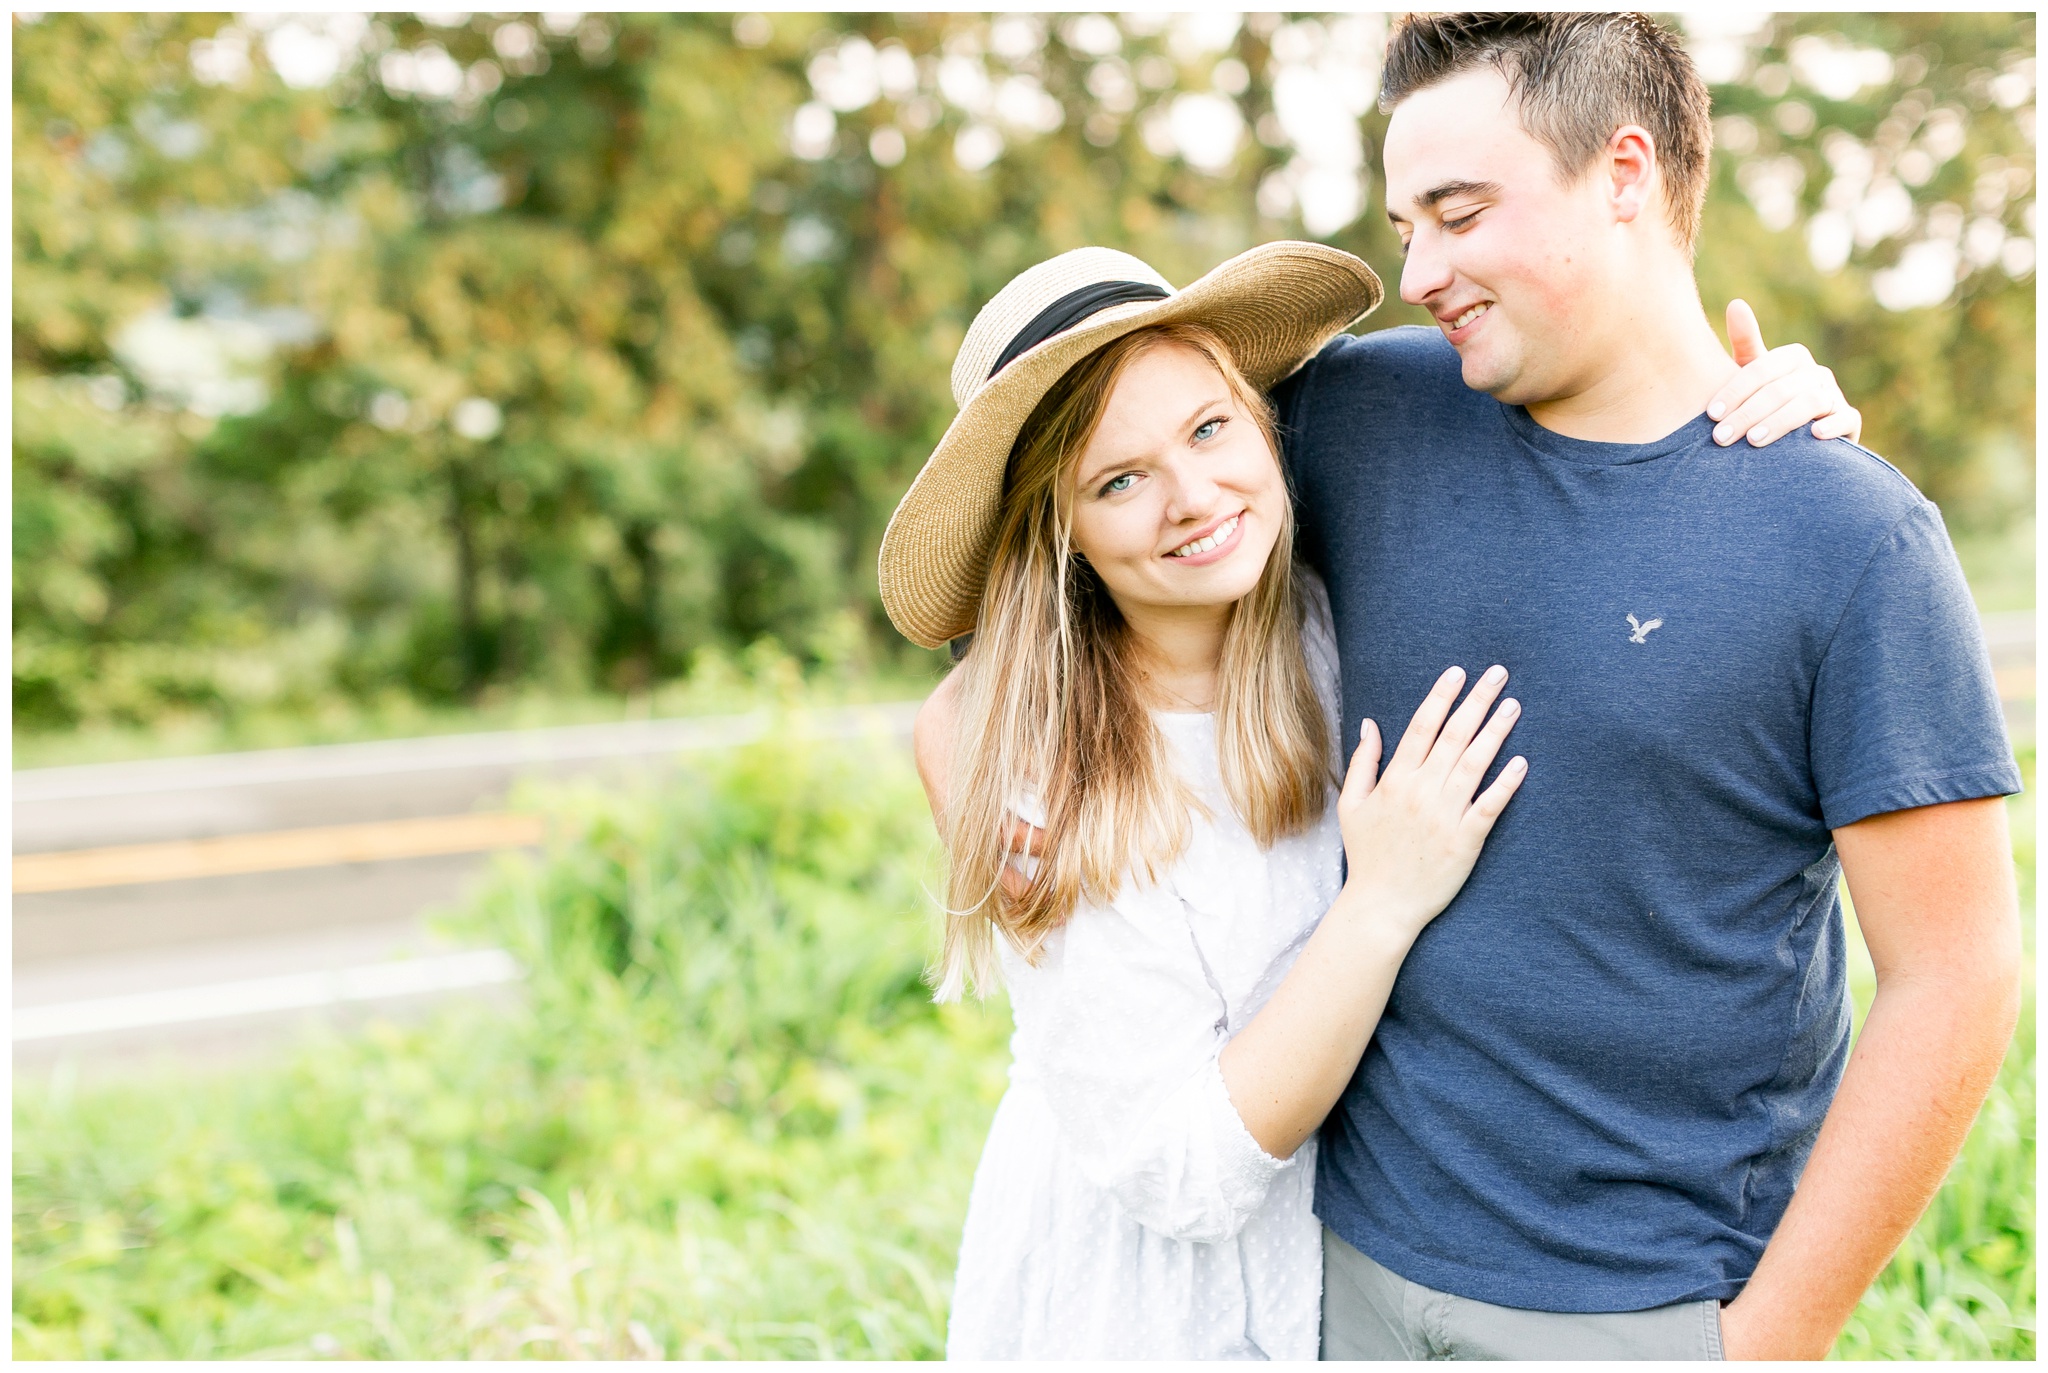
x=1444, y=190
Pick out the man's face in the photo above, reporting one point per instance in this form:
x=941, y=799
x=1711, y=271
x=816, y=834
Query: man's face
x=1512, y=262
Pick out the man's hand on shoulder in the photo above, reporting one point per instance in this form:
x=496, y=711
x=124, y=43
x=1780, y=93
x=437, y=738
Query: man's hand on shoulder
x=1776, y=391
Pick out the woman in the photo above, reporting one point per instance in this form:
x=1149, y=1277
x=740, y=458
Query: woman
x=1199, y=953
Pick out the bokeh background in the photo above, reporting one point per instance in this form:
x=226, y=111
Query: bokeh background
x=402, y=374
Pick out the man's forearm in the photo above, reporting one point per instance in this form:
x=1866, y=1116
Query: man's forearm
x=1927, y=1055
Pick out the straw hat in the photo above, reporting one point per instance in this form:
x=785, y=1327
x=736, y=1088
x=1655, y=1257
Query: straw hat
x=1273, y=306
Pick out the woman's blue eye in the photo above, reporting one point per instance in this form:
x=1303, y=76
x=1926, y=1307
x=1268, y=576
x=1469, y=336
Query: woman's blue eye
x=1207, y=430
x=1115, y=484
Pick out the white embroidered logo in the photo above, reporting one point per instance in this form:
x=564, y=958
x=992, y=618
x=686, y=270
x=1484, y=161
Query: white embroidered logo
x=1641, y=634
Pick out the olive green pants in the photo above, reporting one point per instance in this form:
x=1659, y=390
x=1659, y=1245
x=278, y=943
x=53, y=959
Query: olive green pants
x=1370, y=1312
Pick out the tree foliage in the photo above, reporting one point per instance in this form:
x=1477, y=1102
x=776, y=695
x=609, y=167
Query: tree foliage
x=368, y=355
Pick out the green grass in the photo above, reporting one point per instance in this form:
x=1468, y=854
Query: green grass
x=728, y=1123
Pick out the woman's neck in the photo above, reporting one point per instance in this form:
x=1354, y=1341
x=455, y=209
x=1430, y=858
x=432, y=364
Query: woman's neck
x=1180, y=649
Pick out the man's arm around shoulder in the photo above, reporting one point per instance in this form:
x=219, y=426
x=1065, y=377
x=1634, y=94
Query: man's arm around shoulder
x=1934, y=894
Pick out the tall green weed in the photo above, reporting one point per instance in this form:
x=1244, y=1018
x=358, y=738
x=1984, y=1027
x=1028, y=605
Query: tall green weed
x=729, y=1121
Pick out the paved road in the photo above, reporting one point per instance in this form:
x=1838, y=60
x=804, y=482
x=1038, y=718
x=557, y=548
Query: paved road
x=214, y=904
x=208, y=905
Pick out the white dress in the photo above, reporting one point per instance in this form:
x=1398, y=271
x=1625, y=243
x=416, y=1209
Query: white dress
x=1121, y=1208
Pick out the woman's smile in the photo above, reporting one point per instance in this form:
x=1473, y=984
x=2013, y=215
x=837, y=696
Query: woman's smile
x=1213, y=545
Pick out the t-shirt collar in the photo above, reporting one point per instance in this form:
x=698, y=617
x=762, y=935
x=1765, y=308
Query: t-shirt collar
x=1692, y=434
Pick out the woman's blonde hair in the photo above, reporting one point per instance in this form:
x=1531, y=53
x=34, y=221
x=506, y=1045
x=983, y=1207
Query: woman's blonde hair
x=1051, y=702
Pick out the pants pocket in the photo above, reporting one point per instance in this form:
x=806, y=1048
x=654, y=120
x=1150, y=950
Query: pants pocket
x=1710, y=1323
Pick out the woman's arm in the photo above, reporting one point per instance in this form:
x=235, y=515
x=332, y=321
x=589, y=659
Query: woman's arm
x=931, y=744
x=1411, y=836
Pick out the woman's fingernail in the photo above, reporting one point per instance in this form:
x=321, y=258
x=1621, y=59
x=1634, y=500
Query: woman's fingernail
x=1496, y=673
x=1760, y=437
x=1510, y=706
x=1715, y=410
x=1721, y=434
x=1518, y=762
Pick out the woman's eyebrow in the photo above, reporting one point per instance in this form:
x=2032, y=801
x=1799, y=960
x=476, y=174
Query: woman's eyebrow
x=1092, y=474
x=1207, y=405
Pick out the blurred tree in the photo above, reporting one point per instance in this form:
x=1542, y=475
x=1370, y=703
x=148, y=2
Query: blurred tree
x=1874, y=198
x=447, y=353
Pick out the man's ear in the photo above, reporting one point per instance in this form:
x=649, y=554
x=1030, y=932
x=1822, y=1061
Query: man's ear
x=1632, y=172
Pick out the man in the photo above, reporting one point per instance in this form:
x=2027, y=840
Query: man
x=1606, y=1065
x=1602, y=1070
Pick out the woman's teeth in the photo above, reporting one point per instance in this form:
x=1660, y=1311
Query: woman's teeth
x=1474, y=313
x=1203, y=545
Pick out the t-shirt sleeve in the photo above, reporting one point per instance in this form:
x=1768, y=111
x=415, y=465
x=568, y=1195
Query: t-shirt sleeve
x=1905, y=711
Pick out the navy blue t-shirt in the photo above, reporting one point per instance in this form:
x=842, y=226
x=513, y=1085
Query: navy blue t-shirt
x=1603, y=1066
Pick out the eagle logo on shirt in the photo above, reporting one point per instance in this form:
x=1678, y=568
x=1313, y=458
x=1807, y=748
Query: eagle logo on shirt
x=1639, y=631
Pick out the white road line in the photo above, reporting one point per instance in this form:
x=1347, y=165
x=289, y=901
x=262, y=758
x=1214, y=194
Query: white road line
x=453, y=752
x=257, y=995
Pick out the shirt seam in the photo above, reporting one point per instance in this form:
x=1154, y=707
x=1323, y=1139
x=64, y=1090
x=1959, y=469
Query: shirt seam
x=1679, y=446
x=1841, y=618
x=1856, y=589
x=1775, y=1086
x=1999, y=772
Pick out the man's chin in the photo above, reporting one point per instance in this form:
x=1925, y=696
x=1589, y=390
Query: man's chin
x=1491, y=375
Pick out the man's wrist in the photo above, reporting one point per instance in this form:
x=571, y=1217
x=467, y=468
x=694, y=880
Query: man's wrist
x=1748, y=1331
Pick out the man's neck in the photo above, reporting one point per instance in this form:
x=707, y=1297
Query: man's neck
x=1649, y=371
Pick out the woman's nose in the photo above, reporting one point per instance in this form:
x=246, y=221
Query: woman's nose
x=1191, y=493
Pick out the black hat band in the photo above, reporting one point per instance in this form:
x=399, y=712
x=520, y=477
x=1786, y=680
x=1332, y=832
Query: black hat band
x=1069, y=310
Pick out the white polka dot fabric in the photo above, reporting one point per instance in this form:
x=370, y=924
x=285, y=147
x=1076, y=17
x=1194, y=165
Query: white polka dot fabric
x=1121, y=1209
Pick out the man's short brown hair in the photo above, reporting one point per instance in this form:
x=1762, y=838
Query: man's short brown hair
x=1576, y=78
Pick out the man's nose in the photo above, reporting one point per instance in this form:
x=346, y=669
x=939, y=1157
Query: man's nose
x=1425, y=270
